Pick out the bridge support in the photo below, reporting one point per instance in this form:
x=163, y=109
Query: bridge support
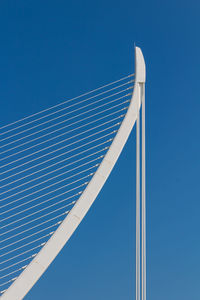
x=141, y=198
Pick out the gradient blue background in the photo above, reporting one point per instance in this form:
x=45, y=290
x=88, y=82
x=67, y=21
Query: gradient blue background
x=53, y=50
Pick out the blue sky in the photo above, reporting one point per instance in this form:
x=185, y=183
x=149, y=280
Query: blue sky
x=53, y=50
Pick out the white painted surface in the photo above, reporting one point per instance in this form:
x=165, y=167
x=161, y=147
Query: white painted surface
x=138, y=209
x=143, y=195
x=40, y=263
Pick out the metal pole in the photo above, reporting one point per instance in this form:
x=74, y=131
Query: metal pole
x=143, y=196
x=138, y=207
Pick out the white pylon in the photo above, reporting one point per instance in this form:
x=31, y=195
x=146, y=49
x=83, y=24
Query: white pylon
x=141, y=197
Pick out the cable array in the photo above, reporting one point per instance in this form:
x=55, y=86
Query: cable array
x=47, y=160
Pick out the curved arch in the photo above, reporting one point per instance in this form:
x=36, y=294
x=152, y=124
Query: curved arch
x=40, y=263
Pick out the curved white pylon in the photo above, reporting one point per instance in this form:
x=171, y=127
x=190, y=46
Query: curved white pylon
x=40, y=263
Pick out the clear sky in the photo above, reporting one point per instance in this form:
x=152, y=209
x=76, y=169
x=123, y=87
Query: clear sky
x=53, y=50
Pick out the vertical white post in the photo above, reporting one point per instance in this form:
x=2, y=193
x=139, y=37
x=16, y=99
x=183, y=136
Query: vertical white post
x=140, y=180
x=143, y=196
x=138, y=207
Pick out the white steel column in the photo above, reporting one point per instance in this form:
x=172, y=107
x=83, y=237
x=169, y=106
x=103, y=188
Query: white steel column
x=141, y=205
x=140, y=180
x=143, y=195
x=138, y=267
